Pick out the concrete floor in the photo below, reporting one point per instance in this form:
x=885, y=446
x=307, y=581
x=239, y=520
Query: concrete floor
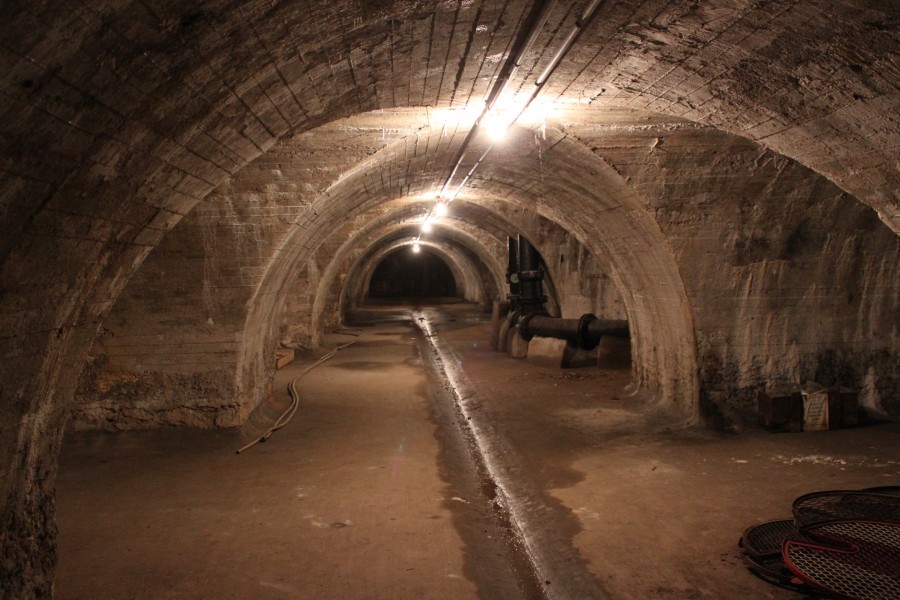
x=576, y=490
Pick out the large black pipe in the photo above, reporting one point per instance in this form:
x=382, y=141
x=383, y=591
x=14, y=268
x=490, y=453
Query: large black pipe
x=525, y=275
x=584, y=333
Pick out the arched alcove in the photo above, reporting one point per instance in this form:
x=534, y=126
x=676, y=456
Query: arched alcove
x=404, y=274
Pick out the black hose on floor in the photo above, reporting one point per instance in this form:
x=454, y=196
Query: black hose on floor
x=288, y=414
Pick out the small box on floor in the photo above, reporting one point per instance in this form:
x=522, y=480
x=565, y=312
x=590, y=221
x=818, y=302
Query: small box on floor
x=843, y=408
x=781, y=410
x=815, y=407
x=812, y=407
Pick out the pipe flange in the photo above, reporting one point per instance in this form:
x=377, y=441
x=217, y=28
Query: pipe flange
x=583, y=338
x=537, y=275
x=524, y=330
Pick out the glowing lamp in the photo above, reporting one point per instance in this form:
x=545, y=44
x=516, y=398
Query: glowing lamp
x=496, y=128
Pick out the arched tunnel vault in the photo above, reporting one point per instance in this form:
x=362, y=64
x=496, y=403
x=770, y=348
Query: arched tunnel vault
x=464, y=272
x=119, y=119
x=317, y=295
x=758, y=300
x=483, y=272
x=643, y=267
x=476, y=220
x=617, y=146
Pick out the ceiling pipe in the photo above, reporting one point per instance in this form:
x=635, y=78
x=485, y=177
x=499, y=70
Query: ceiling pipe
x=540, y=11
x=536, y=20
x=528, y=33
x=567, y=44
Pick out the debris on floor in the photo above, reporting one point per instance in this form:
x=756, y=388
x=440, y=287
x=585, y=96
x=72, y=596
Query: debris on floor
x=840, y=544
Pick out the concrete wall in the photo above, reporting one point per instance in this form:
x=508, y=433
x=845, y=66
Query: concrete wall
x=168, y=350
x=789, y=278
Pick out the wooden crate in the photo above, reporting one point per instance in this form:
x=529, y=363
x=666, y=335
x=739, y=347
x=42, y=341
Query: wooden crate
x=781, y=410
x=843, y=408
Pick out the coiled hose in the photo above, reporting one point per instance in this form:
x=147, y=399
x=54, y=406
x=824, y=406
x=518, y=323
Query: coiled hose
x=288, y=414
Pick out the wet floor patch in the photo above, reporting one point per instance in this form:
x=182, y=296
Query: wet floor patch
x=494, y=559
x=540, y=529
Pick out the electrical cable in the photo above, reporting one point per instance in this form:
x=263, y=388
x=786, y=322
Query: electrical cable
x=288, y=414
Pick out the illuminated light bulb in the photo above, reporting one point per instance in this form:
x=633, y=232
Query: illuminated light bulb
x=426, y=227
x=496, y=128
x=496, y=123
x=539, y=111
x=416, y=248
x=440, y=209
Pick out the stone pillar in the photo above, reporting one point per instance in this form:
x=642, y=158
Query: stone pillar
x=27, y=526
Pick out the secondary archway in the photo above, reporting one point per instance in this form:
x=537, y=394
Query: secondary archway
x=401, y=275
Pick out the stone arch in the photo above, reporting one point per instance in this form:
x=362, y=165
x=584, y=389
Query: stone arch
x=464, y=273
x=475, y=254
x=643, y=266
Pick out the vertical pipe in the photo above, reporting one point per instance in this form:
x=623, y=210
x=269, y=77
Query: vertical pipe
x=530, y=278
x=528, y=256
x=512, y=270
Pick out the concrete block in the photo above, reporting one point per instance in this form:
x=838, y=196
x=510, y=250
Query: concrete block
x=547, y=352
x=575, y=357
x=518, y=347
x=283, y=356
x=503, y=337
x=498, y=317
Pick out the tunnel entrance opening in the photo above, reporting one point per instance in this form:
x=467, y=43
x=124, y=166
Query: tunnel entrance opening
x=404, y=274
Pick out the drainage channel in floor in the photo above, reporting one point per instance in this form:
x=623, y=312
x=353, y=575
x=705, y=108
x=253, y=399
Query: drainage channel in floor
x=551, y=560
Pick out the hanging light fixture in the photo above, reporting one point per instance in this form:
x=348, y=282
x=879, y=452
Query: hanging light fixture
x=440, y=209
x=416, y=247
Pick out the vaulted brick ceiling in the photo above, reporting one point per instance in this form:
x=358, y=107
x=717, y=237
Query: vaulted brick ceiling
x=118, y=118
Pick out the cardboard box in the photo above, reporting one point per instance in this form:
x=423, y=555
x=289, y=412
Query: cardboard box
x=815, y=407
